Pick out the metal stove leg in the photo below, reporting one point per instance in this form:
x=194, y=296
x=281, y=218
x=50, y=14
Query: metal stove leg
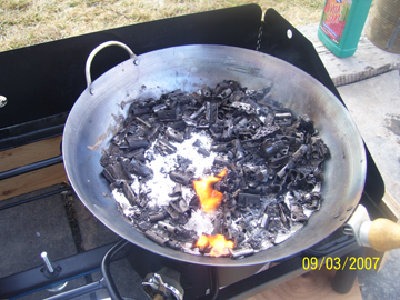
x=86, y=289
x=214, y=289
x=105, y=269
x=106, y=282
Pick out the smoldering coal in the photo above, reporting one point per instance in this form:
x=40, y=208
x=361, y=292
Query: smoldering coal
x=275, y=161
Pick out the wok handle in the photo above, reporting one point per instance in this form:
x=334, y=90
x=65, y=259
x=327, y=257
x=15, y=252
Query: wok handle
x=383, y=234
x=96, y=50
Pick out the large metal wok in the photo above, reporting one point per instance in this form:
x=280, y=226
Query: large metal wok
x=94, y=118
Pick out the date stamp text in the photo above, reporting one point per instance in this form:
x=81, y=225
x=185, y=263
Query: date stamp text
x=337, y=263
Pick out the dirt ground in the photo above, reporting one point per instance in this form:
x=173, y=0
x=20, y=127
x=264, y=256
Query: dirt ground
x=27, y=22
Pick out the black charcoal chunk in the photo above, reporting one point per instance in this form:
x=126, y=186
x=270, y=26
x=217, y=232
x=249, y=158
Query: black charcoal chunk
x=105, y=160
x=305, y=124
x=247, y=107
x=263, y=132
x=238, y=149
x=159, y=107
x=222, y=161
x=180, y=126
x=212, y=112
x=297, y=213
x=179, y=205
x=227, y=132
x=167, y=226
x=241, y=253
x=176, y=245
x=274, y=223
x=136, y=167
x=196, y=143
x=187, y=133
x=156, y=237
x=194, y=203
x=203, y=152
x=180, y=177
x=158, y=216
x=144, y=225
x=114, y=172
x=249, y=200
x=165, y=147
x=116, y=185
x=176, y=191
x=107, y=174
x=255, y=244
x=314, y=202
x=206, y=92
x=196, y=114
x=203, y=124
x=186, y=235
x=221, y=147
x=277, y=161
x=154, y=132
x=224, y=93
x=138, y=109
x=284, y=214
x=167, y=115
x=135, y=143
x=129, y=194
x=172, y=213
x=269, y=149
x=283, y=119
x=143, y=122
x=174, y=135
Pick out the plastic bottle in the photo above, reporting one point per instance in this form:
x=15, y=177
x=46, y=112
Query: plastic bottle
x=341, y=24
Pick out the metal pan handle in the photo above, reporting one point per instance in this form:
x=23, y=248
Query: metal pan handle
x=97, y=50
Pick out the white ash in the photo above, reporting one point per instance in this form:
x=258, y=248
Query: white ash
x=160, y=185
x=188, y=248
x=234, y=224
x=284, y=235
x=265, y=244
x=122, y=202
x=307, y=212
x=288, y=200
x=187, y=193
x=135, y=185
x=201, y=222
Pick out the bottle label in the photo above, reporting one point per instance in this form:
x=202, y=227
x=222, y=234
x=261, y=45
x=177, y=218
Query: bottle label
x=334, y=18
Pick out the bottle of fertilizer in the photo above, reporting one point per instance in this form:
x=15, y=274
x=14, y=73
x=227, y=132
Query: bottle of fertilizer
x=341, y=24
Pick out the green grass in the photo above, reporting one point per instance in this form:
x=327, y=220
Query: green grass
x=27, y=22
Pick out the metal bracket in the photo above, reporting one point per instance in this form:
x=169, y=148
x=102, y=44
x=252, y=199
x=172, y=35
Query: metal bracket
x=158, y=285
x=3, y=101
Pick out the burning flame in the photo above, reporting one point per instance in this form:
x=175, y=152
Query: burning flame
x=218, y=244
x=209, y=198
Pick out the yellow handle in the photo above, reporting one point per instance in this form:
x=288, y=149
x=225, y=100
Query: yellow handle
x=384, y=235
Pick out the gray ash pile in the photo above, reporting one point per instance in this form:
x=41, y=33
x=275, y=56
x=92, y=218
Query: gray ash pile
x=218, y=172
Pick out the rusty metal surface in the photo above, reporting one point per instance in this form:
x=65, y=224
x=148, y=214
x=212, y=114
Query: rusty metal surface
x=94, y=118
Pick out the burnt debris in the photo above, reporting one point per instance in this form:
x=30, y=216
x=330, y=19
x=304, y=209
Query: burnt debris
x=274, y=158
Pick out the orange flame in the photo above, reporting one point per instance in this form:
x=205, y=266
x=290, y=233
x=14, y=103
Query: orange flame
x=209, y=198
x=218, y=244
